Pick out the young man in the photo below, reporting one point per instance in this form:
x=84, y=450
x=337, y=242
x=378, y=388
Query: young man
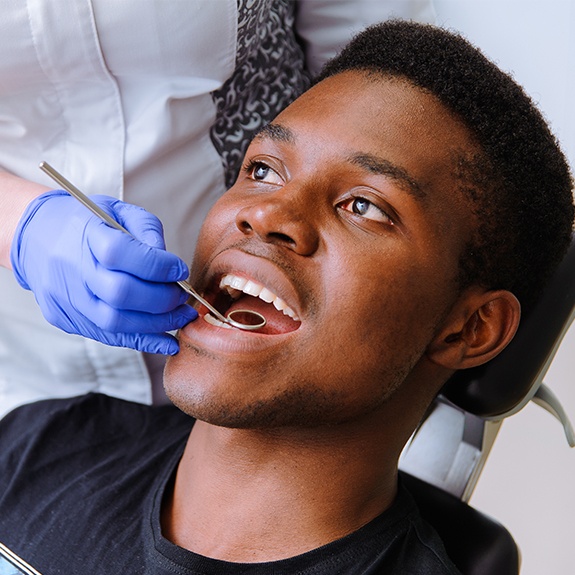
x=389, y=224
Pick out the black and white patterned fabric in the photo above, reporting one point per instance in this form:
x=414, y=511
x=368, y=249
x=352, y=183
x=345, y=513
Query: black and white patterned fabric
x=270, y=73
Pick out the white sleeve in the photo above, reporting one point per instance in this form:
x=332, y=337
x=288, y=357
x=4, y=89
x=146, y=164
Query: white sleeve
x=325, y=26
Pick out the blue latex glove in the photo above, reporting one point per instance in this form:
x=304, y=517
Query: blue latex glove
x=96, y=281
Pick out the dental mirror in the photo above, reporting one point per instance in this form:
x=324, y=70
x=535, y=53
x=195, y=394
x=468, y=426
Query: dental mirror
x=257, y=320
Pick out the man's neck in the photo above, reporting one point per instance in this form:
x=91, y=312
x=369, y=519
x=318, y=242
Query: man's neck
x=249, y=496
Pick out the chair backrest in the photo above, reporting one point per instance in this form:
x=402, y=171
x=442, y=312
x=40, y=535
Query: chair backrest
x=475, y=543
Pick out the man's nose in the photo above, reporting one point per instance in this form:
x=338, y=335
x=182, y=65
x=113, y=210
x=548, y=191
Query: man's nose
x=281, y=221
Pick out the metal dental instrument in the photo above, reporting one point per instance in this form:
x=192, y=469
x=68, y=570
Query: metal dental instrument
x=94, y=208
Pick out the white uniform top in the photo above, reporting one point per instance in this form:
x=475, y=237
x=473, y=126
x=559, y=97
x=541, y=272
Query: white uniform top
x=118, y=96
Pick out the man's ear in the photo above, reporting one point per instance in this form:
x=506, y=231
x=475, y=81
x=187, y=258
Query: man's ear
x=478, y=328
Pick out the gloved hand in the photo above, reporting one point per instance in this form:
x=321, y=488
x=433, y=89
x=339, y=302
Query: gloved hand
x=96, y=281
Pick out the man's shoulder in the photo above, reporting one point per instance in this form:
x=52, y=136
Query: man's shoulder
x=91, y=419
x=84, y=469
x=412, y=545
x=397, y=542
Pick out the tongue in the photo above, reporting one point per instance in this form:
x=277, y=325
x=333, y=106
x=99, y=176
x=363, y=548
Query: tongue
x=276, y=321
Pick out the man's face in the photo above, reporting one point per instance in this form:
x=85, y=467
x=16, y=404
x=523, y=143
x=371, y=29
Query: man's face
x=347, y=210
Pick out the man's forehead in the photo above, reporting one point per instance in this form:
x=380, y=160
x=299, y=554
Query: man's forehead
x=382, y=124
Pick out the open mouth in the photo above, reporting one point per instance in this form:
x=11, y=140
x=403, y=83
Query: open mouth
x=238, y=293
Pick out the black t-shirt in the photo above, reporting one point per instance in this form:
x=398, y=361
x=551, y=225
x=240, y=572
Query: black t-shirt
x=81, y=485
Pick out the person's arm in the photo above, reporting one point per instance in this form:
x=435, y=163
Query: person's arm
x=15, y=195
x=88, y=278
x=326, y=26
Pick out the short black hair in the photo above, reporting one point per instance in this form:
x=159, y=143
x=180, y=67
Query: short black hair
x=520, y=185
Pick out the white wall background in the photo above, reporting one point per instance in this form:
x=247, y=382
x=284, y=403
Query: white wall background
x=529, y=480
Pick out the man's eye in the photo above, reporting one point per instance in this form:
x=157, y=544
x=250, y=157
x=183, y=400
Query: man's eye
x=366, y=209
x=263, y=173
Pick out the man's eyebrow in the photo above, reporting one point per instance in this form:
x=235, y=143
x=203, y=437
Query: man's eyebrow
x=369, y=162
x=276, y=132
x=384, y=167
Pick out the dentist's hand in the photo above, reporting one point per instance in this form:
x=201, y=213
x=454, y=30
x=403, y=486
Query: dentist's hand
x=96, y=281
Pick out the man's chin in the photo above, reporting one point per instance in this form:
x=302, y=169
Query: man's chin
x=297, y=407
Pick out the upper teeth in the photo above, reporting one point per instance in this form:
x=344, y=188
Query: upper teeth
x=236, y=285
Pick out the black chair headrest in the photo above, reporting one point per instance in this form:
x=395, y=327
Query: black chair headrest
x=507, y=383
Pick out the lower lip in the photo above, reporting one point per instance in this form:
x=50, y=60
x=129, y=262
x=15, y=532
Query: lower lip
x=200, y=333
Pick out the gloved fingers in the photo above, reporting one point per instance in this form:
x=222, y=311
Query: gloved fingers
x=116, y=250
x=110, y=319
x=143, y=225
x=123, y=291
x=147, y=339
x=162, y=343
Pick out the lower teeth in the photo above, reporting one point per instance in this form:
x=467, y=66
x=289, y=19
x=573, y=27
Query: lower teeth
x=214, y=321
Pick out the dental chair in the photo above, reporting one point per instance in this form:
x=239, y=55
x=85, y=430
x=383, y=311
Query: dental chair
x=443, y=460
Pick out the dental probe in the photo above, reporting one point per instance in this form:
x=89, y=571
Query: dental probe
x=95, y=209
